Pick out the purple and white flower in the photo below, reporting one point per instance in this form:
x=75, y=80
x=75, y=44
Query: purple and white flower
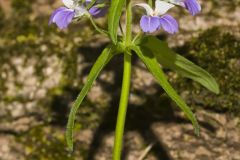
x=97, y=11
x=191, y=5
x=63, y=16
x=157, y=19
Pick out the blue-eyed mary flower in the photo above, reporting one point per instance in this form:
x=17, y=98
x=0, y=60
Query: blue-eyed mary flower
x=157, y=19
x=63, y=16
x=191, y=5
x=99, y=9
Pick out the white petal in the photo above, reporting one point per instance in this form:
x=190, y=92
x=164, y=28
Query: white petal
x=80, y=11
x=69, y=3
x=148, y=9
x=162, y=7
x=178, y=2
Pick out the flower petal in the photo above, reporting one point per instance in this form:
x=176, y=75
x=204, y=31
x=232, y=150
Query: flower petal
x=88, y=2
x=62, y=17
x=192, y=6
x=80, y=11
x=97, y=12
x=162, y=7
x=169, y=24
x=149, y=24
x=148, y=9
x=96, y=2
x=178, y=2
x=54, y=13
x=69, y=3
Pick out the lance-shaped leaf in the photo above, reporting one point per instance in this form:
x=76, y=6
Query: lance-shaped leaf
x=114, y=18
x=169, y=59
x=102, y=60
x=153, y=66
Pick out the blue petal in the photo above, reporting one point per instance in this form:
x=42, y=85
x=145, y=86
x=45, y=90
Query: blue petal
x=97, y=12
x=149, y=24
x=169, y=24
x=54, y=13
x=62, y=17
x=192, y=6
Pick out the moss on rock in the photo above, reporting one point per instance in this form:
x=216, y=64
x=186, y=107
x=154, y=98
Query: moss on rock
x=47, y=143
x=218, y=51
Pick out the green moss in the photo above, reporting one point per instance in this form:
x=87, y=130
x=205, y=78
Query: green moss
x=46, y=143
x=217, y=51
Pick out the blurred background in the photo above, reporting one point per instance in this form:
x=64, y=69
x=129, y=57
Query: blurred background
x=42, y=69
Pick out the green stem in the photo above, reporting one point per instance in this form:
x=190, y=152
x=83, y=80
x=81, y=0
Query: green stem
x=122, y=111
x=137, y=36
x=150, y=3
x=97, y=28
x=122, y=107
x=121, y=29
x=128, y=37
x=91, y=4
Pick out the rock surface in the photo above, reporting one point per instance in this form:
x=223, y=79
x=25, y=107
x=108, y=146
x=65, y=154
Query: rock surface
x=42, y=70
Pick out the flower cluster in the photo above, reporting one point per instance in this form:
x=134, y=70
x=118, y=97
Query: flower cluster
x=63, y=16
x=157, y=18
x=154, y=20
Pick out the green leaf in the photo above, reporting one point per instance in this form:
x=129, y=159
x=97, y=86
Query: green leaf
x=153, y=66
x=166, y=57
x=102, y=60
x=114, y=18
